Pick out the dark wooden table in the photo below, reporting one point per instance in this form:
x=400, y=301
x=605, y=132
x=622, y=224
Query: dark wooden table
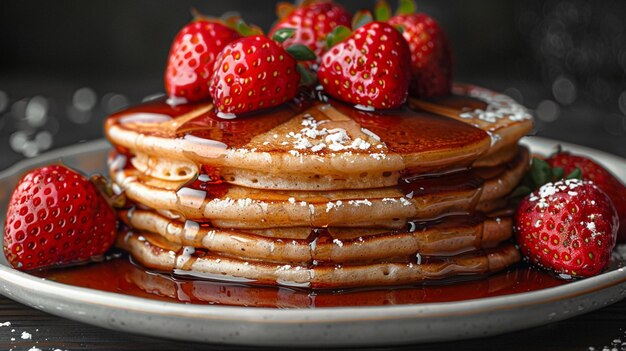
x=605, y=327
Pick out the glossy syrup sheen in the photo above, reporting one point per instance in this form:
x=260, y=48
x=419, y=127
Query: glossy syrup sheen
x=121, y=276
x=404, y=131
x=463, y=179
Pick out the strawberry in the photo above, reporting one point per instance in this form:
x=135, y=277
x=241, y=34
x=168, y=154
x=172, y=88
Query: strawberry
x=569, y=226
x=370, y=68
x=56, y=217
x=313, y=22
x=601, y=177
x=431, y=55
x=192, y=56
x=255, y=72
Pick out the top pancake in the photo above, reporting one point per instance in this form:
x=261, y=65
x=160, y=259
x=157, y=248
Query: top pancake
x=323, y=145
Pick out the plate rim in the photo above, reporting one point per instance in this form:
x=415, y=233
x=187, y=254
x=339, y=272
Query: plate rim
x=300, y=315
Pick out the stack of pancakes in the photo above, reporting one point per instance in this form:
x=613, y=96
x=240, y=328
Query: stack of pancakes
x=321, y=194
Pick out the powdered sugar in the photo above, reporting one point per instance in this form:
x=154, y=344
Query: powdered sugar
x=499, y=106
x=547, y=190
x=330, y=205
x=357, y=203
x=21, y=337
x=316, y=137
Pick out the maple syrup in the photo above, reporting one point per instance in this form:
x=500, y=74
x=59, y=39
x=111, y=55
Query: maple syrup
x=239, y=131
x=407, y=130
x=121, y=276
x=206, y=125
x=403, y=131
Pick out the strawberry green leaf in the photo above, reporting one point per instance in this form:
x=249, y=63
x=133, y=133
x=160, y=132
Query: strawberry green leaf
x=540, y=171
x=246, y=30
x=301, y=52
x=106, y=189
x=230, y=19
x=199, y=16
x=576, y=174
x=400, y=28
x=283, y=34
x=305, y=3
x=406, y=7
x=382, y=11
x=557, y=173
x=284, y=9
x=307, y=78
x=521, y=191
x=339, y=34
x=361, y=18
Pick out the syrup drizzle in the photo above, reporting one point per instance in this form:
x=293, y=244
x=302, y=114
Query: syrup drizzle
x=403, y=131
x=239, y=131
x=406, y=130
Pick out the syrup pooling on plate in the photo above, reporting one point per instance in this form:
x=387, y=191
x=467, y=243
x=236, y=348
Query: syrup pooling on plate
x=318, y=275
x=121, y=276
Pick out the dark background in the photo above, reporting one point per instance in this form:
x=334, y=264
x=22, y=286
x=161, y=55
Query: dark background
x=64, y=65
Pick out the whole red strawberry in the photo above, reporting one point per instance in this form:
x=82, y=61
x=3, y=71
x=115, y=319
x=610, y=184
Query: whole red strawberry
x=601, y=177
x=313, y=23
x=253, y=73
x=369, y=68
x=192, y=56
x=56, y=217
x=431, y=56
x=568, y=226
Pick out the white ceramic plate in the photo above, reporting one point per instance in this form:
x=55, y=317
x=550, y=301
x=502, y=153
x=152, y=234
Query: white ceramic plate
x=342, y=326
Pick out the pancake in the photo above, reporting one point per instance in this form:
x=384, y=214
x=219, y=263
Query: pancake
x=322, y=145
x=497, y=114
x=217, y=267
x=319, y=194
x=447, y=237
x=227, y=205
